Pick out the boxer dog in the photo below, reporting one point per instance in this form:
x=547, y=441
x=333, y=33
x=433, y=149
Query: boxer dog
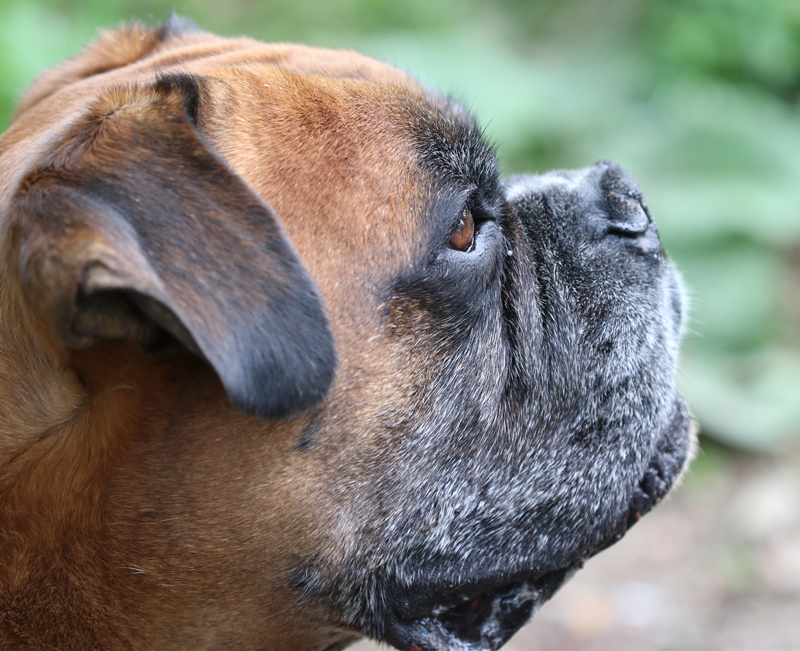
x=284, y=363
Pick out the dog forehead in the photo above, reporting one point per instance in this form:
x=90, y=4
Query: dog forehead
x=135, y=55
x=339, y=159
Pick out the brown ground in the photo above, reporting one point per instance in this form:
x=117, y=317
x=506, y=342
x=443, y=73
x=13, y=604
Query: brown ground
x=715, y=568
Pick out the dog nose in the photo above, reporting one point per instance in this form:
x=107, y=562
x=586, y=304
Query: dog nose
x=625, y=210
x=600, y=204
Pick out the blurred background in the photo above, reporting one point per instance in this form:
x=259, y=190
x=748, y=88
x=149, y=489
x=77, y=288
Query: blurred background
x=698, y=99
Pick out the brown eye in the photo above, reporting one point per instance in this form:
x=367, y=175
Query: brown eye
x=461, y=237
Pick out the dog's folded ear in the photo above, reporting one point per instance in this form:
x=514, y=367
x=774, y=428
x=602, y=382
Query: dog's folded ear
x=134, y=227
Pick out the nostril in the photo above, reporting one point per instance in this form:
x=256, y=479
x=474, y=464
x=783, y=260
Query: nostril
x=624, y=205
x=629, y=219
x=626, y=215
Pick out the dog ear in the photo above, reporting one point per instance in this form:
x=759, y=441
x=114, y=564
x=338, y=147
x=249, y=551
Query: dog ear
x=134, y=226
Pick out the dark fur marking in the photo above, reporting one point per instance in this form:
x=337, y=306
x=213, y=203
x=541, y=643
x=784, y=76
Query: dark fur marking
x=309, y=434
x=463, y=171
x=187, y=86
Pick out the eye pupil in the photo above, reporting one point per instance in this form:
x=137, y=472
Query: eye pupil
x=461, y=238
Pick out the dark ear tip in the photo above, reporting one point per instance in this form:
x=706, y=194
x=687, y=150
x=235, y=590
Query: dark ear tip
x=277, y=405
x=280, y=390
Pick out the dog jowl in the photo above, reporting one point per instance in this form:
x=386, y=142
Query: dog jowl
x=286, y=363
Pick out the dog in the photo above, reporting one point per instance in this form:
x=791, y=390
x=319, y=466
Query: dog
x=285, y=363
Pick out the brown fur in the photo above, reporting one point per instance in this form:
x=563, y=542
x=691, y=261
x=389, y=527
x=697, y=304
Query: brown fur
x=108, y=519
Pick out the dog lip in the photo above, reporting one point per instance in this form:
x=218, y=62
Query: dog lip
x=673, y=449
x=481, y=616
x=666, y=464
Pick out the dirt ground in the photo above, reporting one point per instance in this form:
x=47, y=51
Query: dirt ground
x=714, y=568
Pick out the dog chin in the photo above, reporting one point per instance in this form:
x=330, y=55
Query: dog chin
x=482, y=615
x=474, y=617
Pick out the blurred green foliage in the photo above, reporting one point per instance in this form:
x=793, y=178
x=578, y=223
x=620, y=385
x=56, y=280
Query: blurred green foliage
x=697, y=98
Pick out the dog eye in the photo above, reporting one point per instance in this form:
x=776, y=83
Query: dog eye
x=462, y=238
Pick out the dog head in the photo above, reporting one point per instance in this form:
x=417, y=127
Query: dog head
x=288, y=363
